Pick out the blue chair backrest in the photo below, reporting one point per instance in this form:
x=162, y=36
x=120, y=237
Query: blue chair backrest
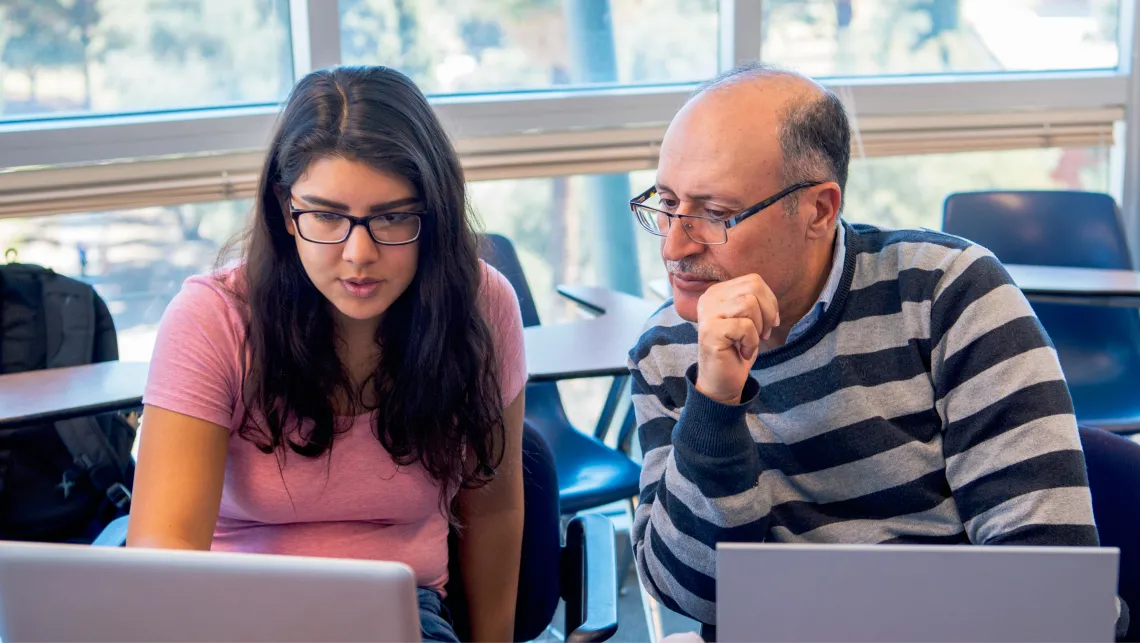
x=1099, y=347
x=540, y=564
x=1113, y=464
x=1068, y=229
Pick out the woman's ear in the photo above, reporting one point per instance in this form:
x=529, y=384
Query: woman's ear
x=286, y=210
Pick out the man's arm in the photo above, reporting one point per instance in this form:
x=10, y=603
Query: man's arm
x=699, y=485
x=1013, y=455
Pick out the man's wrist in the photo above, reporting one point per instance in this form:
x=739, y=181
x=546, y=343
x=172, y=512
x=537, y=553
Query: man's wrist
x=731, y=400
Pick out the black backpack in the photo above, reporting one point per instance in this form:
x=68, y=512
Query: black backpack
x=64, y=481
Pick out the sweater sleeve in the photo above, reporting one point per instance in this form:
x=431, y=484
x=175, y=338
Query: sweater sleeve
x=699, y=486
x=1013, y=454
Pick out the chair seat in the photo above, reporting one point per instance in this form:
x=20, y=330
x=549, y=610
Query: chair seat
x=590, y=474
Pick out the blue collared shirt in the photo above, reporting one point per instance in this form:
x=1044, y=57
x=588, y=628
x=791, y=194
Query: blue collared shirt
x=839, y=256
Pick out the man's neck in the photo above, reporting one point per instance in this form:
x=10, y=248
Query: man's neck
x=800, y=299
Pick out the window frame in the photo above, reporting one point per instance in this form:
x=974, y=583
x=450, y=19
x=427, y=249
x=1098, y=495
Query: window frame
x=578, y=127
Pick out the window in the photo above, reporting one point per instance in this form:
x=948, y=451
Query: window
x=135, y=259
x=563, y=228
x=471, y=46
x=908, y=191
x=138, y=259
x=835, y=38
x=82, y=57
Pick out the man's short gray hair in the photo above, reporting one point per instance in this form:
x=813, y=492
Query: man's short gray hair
x=815, y=136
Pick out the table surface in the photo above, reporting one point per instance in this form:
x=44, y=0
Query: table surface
x=1075, y=281
x=588, y=347
x=585, y=348
x=62, y=393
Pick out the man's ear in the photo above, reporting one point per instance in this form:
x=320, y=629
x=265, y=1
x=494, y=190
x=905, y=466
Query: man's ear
x=825, y=199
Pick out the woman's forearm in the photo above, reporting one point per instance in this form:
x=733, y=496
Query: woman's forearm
x=490, y=548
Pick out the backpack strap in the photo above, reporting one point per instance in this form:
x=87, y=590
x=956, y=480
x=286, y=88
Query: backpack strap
x=69, y=317
x=92, y=452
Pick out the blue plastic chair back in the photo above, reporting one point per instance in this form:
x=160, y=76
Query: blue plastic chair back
x=590, y=474
x=1099, y=347
x=1113, y=464
x=540, y=563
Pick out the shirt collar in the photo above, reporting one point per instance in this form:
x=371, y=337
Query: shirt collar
x=838, y=258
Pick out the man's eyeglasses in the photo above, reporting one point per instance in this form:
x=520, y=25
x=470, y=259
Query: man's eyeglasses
x=389, y=228
x=711, y=231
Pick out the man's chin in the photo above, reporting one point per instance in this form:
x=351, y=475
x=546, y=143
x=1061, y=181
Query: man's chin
x=686, y=305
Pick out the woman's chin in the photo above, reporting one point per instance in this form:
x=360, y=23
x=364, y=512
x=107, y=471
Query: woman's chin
x=360, y=311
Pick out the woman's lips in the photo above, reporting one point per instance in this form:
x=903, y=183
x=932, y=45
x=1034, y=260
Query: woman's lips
x=360, y=287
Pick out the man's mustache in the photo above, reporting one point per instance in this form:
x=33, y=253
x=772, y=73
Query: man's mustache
x=690, y=267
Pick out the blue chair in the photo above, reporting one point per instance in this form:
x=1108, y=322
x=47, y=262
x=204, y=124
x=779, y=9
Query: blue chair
x=583, y=572
x=1099, y=347
x=590, y=474
x=1113, y=464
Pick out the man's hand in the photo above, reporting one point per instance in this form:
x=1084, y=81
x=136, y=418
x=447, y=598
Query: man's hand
x=732, y=318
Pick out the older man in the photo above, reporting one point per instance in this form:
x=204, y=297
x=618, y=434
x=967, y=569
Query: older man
x=817, y=381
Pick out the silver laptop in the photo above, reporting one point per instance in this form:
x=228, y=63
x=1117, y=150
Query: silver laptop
x=80, y=593
x=786, y=592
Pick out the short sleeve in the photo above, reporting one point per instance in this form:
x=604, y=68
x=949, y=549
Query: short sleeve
x=504, y=317
x=195, y=366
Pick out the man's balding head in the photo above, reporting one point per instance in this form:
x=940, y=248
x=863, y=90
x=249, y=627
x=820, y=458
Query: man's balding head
x=759, y=101
x=744, y=137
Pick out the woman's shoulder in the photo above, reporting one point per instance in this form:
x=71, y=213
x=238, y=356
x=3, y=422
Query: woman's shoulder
x=501, y=310
x=211, y=302
x=496, y=294
x=215, y=291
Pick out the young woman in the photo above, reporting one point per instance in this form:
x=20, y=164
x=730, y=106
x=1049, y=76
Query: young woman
x=354, y=386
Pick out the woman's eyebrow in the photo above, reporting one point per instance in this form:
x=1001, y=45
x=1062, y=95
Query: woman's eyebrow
x=379, y=207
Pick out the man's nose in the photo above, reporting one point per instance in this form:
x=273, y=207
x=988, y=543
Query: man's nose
x=677, y=244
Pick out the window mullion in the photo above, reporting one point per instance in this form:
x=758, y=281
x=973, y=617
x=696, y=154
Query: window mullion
x=315, y=28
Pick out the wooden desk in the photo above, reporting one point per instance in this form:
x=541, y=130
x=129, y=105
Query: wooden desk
x=1085, y=286
x=62, y=393
x=590, y=347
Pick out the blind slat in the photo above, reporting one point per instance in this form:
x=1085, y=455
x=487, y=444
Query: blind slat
x=137, y=184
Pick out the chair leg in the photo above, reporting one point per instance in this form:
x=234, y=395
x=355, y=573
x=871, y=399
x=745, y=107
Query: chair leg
x=625, y=433
x=625, y=549
x=610, y=408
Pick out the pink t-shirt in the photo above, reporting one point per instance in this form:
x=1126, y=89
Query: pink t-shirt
x=361, y=505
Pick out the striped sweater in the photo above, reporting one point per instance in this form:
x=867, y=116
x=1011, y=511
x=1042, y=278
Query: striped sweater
x=926, y=405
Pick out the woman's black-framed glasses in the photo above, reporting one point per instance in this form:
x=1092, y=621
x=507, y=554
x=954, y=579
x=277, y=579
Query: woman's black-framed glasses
x=711, y=231
x=388, y=228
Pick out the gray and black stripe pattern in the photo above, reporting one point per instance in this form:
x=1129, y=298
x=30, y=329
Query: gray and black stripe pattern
x=926, y=405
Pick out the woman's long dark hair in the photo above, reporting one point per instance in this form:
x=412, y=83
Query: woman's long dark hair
x=436, y=388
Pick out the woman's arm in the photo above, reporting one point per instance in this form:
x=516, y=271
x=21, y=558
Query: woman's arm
x=178, y=481
x=491, y=540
